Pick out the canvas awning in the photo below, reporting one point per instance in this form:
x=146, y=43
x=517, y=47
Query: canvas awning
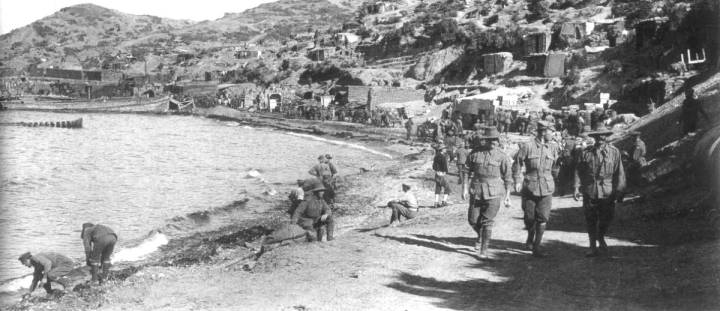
x=474, y=105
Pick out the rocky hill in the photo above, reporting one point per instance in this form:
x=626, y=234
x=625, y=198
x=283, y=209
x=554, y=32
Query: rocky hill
x=79, y=36
x=398, y=42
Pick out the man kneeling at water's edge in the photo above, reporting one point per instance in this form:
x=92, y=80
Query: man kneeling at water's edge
x=53, y=266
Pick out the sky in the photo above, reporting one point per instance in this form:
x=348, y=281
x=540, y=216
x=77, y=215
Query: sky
x=18, y=13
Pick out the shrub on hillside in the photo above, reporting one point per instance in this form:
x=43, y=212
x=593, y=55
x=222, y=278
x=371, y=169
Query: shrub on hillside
x=327, y=71
x=538, y=10
x=633, y=10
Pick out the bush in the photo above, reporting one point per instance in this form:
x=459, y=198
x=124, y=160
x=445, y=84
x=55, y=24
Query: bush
x=327, y=71
x=538, y=10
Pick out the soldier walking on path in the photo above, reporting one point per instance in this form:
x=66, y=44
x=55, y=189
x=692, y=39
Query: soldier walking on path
x=323, y=172
x=440, y=166
x=491, y=181
x=409, y=125
x=99, y=243
x=537, y=157
x=461, y=157
x=600, y=177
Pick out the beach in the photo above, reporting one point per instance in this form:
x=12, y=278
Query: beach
x=427, y=263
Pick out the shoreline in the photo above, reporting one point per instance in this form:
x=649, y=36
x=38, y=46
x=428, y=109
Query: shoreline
x=659, y=260
x=202, y=246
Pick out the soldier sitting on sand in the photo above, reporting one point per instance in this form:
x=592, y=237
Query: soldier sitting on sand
x=407, y=206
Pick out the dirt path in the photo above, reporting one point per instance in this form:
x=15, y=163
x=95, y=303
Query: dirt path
x=428, y=263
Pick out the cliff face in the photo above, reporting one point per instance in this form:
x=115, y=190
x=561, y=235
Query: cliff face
x=430, y=65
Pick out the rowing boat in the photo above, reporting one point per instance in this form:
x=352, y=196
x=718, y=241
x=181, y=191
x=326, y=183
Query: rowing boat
x=121, y=105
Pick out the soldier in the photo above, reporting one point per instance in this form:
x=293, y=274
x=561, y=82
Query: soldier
x=99, y=243
x=462, y=155
x=333, y=176
x=323, y=172
x=538, y=157
x=440, y=166
x=691, y=106
x=406, y=207
x=600, y=176
x=296, y=196
x=409, y=125
x=313, y=214
x=491, y=181
x=54, y=266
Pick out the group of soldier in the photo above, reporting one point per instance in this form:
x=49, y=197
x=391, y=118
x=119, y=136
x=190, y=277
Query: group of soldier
x=98, y=242
x=313, y=200
x=591, y=166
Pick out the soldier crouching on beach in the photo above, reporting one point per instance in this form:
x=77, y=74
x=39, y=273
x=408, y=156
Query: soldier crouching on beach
x=491, y=181
x=53, y=266
x=538, y=157
x=99, y=243
x=406, y=207
x=314, y=214
x=600, y=176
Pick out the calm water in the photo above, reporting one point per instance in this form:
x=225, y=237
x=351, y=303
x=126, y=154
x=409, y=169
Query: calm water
x=136, y=173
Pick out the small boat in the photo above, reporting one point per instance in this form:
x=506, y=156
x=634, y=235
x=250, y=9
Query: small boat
x=73, y=124
x=116, y=105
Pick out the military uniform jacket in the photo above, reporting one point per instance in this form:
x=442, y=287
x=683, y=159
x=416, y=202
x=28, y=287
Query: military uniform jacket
x=321, y=170
x=490, y=172
x=309, y=211
x=538, y=159
x=94, y=233
x=599, y=172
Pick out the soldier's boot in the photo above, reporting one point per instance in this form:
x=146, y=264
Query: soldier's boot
x=320, y=233
x=311, y=235
x=530, y=237
x=539, y=231
x=601, y=238
x=592, y=235
x=478, y=241
x=105, y=272
x=330, y=232
x=47, y=287
x=94, y=273
x=486, y=234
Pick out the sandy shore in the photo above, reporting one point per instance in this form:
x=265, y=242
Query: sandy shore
x=658, y=261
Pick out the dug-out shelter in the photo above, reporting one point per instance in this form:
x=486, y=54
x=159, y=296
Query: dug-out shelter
x=546, y=64
x=496, y=62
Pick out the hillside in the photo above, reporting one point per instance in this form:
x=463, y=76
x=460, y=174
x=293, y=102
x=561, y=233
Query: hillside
x=80, y=36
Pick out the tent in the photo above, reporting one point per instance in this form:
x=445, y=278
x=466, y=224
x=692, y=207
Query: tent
x=546, y=64
x=497, y=62
x=473, y=105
